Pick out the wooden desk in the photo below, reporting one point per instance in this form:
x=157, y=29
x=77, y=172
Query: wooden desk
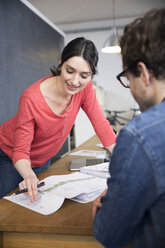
x=69, y=227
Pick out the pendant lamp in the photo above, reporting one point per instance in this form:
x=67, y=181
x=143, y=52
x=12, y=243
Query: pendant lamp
x=111, y=45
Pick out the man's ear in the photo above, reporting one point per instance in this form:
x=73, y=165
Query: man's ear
x=144, y=73
x=59, y=61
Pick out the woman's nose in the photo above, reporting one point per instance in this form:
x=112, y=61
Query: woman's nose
x=75, y=80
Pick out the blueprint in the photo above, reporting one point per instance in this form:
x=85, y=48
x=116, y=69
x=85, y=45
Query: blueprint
x=76, y=186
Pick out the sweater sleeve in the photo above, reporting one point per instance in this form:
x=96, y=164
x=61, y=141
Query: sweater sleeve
x=95, y=114
x=24, y=130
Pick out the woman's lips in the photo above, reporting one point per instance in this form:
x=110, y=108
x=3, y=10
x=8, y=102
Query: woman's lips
x=71, y=87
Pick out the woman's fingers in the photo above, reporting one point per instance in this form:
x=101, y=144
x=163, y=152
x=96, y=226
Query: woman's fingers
x=30, y=183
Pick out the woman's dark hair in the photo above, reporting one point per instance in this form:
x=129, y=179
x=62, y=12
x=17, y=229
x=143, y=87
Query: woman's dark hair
x=144, y=40
x=78, y=47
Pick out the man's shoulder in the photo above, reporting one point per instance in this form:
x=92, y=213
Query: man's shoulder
x=148, y=120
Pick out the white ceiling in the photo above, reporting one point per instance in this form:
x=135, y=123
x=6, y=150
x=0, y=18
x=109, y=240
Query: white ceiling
x=70, y=15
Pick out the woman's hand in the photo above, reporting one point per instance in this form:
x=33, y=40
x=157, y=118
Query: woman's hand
x=30, y=182
x=111, y=147
x=97, y=203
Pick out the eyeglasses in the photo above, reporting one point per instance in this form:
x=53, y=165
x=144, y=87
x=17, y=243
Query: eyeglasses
x=123, y=79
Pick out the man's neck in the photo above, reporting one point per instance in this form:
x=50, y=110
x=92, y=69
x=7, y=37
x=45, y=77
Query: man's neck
x=159, y=90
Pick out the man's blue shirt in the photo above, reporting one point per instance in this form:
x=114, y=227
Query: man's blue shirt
x=134, y=206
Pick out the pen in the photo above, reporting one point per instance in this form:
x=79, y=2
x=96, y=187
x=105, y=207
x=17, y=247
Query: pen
x=26, y=190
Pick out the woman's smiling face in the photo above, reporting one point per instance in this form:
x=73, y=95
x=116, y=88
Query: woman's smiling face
x=75, y=74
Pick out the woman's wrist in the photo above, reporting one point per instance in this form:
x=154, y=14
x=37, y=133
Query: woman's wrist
x=23, y=166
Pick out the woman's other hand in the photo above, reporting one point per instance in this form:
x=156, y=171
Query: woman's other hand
x=111, y=147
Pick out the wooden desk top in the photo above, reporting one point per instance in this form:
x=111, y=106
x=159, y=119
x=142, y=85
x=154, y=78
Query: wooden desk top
x=71, y=218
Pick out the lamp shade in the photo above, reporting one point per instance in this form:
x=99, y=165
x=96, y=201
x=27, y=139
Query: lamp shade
x=111, y=45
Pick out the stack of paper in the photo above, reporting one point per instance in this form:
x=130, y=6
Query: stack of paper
x=99, y=170
x=90, y=153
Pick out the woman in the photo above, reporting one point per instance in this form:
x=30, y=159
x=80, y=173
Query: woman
x=46, y=113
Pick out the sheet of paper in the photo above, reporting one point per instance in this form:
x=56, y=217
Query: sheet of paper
x=100, y=145
x=57, y=188
x=89, y=153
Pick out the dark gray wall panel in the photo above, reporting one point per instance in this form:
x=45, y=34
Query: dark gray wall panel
x=28, y=48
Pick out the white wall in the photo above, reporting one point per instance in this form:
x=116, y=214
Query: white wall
x=116, y=96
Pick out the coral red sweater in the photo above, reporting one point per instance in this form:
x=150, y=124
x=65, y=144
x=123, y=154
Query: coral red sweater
x=37, y=134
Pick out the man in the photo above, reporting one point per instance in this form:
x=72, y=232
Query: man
x=133, y=208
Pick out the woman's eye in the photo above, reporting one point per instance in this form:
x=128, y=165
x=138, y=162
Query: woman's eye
x=70, y=72
x=84, y=76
